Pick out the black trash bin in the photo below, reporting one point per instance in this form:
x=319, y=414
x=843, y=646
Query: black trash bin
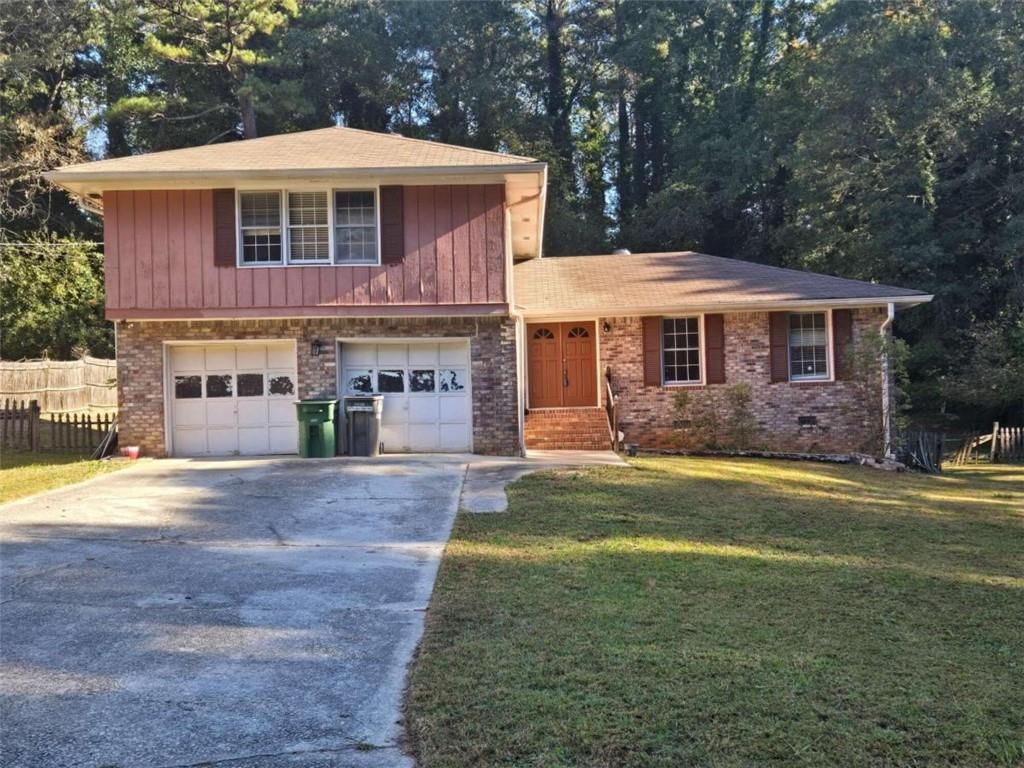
x=362, y=424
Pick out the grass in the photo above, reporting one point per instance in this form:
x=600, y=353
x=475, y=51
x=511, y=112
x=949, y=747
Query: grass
x=23, y=473
x=716, y=612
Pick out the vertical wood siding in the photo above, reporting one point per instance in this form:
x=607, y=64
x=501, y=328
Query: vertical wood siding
x=159, y=245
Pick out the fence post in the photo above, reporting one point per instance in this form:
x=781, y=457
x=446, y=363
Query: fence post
x=33, y=426
x=995, y=443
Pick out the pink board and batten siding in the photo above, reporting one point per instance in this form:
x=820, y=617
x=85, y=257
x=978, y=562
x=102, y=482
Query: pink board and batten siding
x=159, y=254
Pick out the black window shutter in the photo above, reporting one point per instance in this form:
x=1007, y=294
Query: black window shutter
x=225, y=250
x=392, y=233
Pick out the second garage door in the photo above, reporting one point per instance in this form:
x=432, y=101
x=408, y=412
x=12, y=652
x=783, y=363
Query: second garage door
x=426, y=388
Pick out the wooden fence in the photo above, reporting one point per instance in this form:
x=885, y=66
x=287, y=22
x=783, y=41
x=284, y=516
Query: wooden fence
x=920, y=450
x=88, y=384
x=1000, y=445
x=22, y=426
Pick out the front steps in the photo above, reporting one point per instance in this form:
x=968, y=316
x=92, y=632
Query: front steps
x=568, y=429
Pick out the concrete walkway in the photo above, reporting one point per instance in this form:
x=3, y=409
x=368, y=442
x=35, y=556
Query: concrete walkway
x=238, y=612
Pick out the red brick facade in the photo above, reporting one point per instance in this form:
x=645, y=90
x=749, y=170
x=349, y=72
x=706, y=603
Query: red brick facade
x=647, y=415
x=141, y=375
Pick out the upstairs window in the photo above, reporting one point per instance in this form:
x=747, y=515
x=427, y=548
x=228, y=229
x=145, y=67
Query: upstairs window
x=355, y=227
x=680, y=345
x=308, y=228
x=808, y=346
x=260, y=214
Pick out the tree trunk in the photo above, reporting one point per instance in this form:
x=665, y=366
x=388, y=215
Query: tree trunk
x=622, y=180
x=556, y=100
x=248, y=112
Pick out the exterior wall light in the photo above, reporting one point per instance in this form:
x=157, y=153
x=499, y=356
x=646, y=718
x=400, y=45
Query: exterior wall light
x=316, y=348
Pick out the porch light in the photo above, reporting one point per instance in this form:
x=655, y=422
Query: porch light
x=316, y=348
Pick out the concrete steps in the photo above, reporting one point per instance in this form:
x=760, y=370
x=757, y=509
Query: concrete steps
x=567, y=429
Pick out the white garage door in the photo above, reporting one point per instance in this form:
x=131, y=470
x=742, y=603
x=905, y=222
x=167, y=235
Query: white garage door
x=426, y=388
x=233, y=399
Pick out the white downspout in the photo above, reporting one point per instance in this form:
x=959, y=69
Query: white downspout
x=520, y=333
x=884, y=330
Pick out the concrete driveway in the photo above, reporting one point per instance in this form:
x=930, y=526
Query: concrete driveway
x=237, y=612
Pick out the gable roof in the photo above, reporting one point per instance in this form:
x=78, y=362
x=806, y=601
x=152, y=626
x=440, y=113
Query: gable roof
x=334, y=149
x=661, y=283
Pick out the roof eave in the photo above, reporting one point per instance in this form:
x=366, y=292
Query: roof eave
x=903, y=302
x=63, y=177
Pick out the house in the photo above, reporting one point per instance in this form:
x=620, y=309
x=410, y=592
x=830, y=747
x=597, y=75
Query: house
x=243, y=276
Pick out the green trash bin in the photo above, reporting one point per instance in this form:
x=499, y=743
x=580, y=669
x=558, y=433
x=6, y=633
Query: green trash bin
x=316, y=428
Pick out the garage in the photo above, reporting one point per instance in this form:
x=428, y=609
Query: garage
x=426, y=389
x=233, y=398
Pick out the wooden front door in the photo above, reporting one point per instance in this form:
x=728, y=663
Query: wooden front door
x=561, y=360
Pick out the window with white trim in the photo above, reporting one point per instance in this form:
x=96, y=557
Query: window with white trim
x=308, y=227
x=355, y=227
x=808, y=346
x=260, y=224
x=680, y=350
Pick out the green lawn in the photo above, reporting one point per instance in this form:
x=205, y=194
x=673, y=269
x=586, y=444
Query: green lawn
x=715, y=612
x=23, y=473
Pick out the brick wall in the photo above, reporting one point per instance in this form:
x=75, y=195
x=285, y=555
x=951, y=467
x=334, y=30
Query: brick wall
x=647, y=416
x=141, y=377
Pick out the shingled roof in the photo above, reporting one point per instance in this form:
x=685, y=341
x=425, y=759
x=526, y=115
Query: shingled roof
x=326, y=149
x=658, y=283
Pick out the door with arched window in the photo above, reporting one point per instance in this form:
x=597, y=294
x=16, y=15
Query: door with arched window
x=562, y=364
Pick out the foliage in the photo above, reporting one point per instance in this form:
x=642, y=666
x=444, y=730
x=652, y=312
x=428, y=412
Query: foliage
x=715, y=418
x=44, y=86
x=742, y=425
x=744, y=128
x=873, y=357
x=993, y=379
x=207, y=55
x=51, y=299
x=710, y=612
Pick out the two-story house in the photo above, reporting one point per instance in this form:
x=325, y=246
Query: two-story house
x=243, y=276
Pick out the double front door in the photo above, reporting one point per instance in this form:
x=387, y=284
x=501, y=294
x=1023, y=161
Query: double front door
x=562, y=364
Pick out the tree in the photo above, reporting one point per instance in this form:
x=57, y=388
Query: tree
x=51, y=299
x=208, y=57
x=44, y=80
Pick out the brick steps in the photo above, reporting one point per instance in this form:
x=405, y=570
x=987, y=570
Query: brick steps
x=572, y=429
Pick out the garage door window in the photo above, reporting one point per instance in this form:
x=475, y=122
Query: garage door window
x=359, y=382
x=451, y=380
x=282, y=385
x=218, y=385
x=421, y=381
x=391, y=382
x=188, y=387
x=250, y=385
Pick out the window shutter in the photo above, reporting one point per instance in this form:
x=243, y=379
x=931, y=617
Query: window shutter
x=714, y=348
x=392, y=236
x=778, y=340
x=225, y=250
x=652, y=351
x=842, y=341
